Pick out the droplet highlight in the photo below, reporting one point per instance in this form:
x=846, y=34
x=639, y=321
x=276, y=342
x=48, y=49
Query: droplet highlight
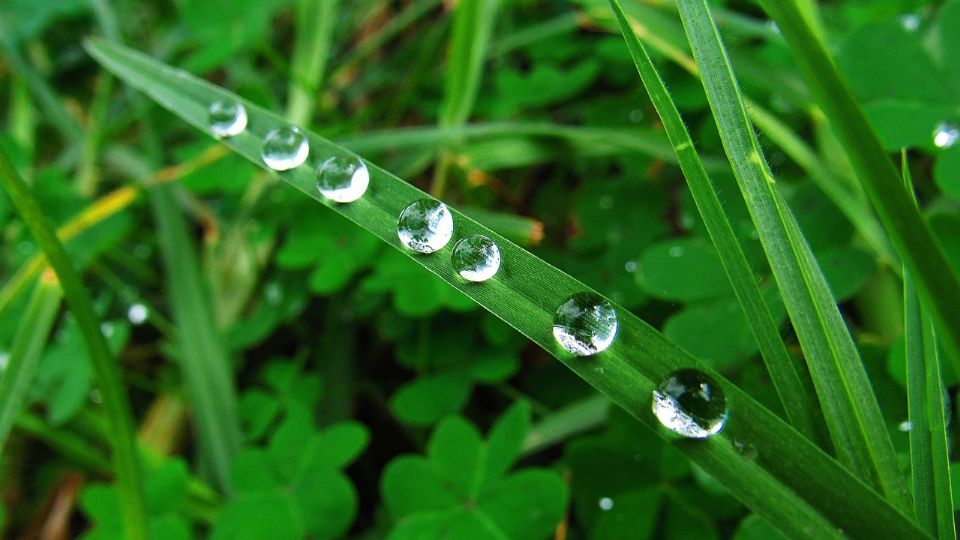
x=227, y=118
x=945, y=135
x=425, y=226
x=137, y=314
x=476, y=258
x=343, y=179
x=585, y=324
x=690, y=403
x=285, y=148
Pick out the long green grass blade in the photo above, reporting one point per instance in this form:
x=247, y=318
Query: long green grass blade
x=311, y=50
x=929, y=448
x=910, y=235
x=109, y=381
x=790, y=481
x=798, y=405
x=203, y=357
x=26, y=351
x=849, y=406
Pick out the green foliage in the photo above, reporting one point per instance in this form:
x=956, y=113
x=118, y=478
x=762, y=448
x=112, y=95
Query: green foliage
x=461, y=488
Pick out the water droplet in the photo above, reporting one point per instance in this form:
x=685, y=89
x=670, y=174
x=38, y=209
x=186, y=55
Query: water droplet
x=676, y=251
x=4, y=360
x=137, y=313
x=585, y=324
x=636, y=116
x=631, y=266
x=745, y=449
x=690, y=403
x=106, y=329
x=227, y=118
x=905, y=426
x=285, y=148
x=343, y=179
x=910, y=22
x=605, y=503
x=96, y=396
x=425, y=225
x=476, y=258
x=945, y=135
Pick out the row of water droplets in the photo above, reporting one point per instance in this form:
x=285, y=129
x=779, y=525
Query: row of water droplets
x=687, y=402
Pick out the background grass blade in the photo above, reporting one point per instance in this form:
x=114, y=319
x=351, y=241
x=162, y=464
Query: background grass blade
x=26, y=351
x=939, y=286
x=929, y=446
x=790, y=479
x=107, y=373
x=850, y=408
x=798, y=405
x=204, y=361
x=315, y=24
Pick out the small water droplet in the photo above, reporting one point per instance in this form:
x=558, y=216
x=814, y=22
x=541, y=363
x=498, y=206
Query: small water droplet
x=676, y=251
x=273, y=293
x=636, y=116
x=905, y=426
x=945, y=135
x=910, y=22
x=227, y=118
x=106, y=329
x=476, y=258
x=96, y=396
x=745, y=449
x=4, y=360
x=425, y=225
x=690, y=403
x=585, y=324
x=285, y=148
x=343, y=179
x=631, y=266
x=137, y=314
x=605, y=504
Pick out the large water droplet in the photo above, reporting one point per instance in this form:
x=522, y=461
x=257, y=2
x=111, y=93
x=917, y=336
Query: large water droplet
x=227, y=118
x=945, y=135
x=343, y=179
x=476, y=258
x=425, y=225
x=690, y=403
x=285, y=148
x=585, y=324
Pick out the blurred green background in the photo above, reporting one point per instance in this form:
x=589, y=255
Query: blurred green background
x=363, y=381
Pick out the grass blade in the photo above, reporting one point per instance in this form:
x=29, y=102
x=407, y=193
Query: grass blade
x=849, y=406
x=790, y=481
x=929, y=447
x=26, y=351
x=311, y=50
x=110, y=383
x=204, y=360
x=799, y=406
x=910, y=235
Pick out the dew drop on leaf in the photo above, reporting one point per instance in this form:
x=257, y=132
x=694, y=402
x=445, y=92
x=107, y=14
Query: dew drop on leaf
x=690, y=403
x=605, y=503
x=137, y=314
x=476, y=258
x=425, y=226
x=227, y=118
x=285, y=148
x=585, y=324
x=945, y=135
x=343, y=179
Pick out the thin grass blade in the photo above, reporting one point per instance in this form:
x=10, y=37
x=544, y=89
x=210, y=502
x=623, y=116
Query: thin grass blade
x=311, y=50
x=791, y=481
x=849, y=406
x=910, y=235
x=801, y=409
x=26, y=351
x=109, y=380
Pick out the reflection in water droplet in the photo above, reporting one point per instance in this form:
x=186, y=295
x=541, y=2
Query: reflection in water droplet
x=690, y=403
x=285, y=148
x=605, y=503
x=476, y=258
x=343, y=179
x=137, y=314
x=425, y=225
x=945, y=135
x=227, y=118
x=585, y=324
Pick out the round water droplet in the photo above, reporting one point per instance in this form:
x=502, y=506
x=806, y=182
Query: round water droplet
x=343, y=179
x=285, y=148
x=585, y=324
x=910, y=22
x=605, y=503
x=631, y=266
x=137, y=313
x=227, y=118
x=425, y=225
x=476, y=258
x=945, y=135
x=690, y=403
x=106, y=329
